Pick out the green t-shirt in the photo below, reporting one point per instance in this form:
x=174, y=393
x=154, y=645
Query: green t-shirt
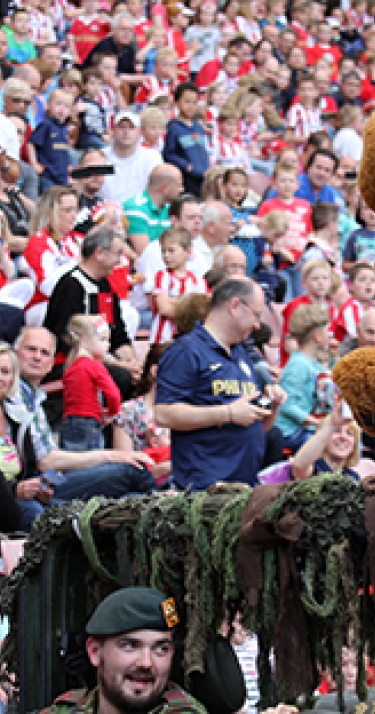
x=144, y=217
x=18, y=52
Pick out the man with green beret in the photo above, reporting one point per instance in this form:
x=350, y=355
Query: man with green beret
x=130, y=643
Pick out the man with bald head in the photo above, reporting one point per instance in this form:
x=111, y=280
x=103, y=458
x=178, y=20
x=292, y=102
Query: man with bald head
x=133, y=163
x=148, y=211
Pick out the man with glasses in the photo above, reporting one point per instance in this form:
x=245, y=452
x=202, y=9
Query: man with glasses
x=206, y=387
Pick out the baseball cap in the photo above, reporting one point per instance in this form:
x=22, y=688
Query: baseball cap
x=134, y=119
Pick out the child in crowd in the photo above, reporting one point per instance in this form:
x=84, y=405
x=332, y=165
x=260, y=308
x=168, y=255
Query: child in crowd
x=251, y=122
x=172, y=283
x=110, y=97
x=323, y=241
x=164, y=77
x=361, y=242
x=303, y=117
x=309, y=327
x=362, y=290
x=317, y=281
x=185, y=140
x=203, y=37
x=235, y=185
x=48, y=147
x=298, y=212
x=228, y=150
x=156, y=39
x=273, y=227
x=86, y=30
x=246, y=648
x=71, y=81
x=92, y=119
x=85, y=377
x=216, y=96
x=20, y=48
x=229, y=74
x=153, y=125
x=137, y=418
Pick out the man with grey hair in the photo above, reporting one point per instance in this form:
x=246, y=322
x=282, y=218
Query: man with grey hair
x=121, y=43
x=86, y=290
x=206, y=387
x=216, y=229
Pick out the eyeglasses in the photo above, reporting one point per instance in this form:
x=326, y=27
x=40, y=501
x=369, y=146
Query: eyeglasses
x=257, y=315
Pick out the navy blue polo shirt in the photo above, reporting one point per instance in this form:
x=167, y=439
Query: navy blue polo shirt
x=197, y=370
x=51, y=142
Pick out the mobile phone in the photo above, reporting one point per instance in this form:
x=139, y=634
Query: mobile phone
x=263, y=402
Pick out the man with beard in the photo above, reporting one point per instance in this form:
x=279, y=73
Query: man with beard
x=130, y=643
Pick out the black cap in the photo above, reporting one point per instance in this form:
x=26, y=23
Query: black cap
x=135, y=608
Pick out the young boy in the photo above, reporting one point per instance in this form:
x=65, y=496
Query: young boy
x=303, y=117
x=361, y=243
x=92, y=128
x=20, y=48
x=228, y=149
x=298, y=213
x=323, y=242
x=164, y=77
x=362, y=289
x=230, y=73
x=185, y=142
x=153, y=125
x=48, y=147
x=317, y=280
x=172, y=282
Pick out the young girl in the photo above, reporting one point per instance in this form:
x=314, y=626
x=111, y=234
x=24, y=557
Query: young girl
x=137, y=418
x=85, y=377
x=203, y=37
x=216, y=96
x=235, y=185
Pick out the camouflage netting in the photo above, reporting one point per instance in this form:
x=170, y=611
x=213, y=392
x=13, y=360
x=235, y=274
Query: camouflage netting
x=297, y=560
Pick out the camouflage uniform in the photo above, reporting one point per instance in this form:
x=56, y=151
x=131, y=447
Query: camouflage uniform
x=80, y=701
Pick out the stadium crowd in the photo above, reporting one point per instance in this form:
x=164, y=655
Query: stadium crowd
x=180, y=179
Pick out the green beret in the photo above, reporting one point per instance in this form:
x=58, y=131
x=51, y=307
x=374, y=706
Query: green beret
x=136, y=608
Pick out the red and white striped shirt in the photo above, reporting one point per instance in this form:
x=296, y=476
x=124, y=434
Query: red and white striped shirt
x=229, y=153
x=107, y=100
x=304, y=121
x=349, y=316
x=168, y=283
x=150, y=86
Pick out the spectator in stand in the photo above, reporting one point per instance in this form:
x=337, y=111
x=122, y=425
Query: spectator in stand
x=349, y=90
x=298, y=213
x=323, y=241
x=324, y=48
x=314, y=182
x=287, y=41
x=303, y=117
x=300, y=13
x=361, y=243
x=348, y=140
x=133, y=163
x=148, y=212
x=48, y=147
x=228, y=150
x=53, y=250
x=153, y=125
x=121, y=43
x=317, y=282
x=91, y=115
x=20, y=48
x=5, y=67
x=362, y=289
x=178, y=21
x=86, y=31
x=203, y=37
x=141, y=24
x=164, y=77
x=367, y=95
x=309, y=327
x=185, y=142
x=172, y=282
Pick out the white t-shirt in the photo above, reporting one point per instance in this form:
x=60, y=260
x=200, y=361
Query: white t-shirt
x=131, y=174
x=9, y=138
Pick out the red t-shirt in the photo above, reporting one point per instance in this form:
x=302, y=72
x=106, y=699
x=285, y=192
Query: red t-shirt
x=87, y=33
x=82, y=381
x=298, y=214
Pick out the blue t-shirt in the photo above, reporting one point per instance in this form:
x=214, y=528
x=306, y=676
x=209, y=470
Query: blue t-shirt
x=321, y=467
x=252, y=247
x=360, y=246
x=51, y=142
x=328, y=194
x=197, y=370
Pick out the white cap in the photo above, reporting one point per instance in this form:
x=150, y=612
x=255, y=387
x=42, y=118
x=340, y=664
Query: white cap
x=185, y=10
x=134, y=119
